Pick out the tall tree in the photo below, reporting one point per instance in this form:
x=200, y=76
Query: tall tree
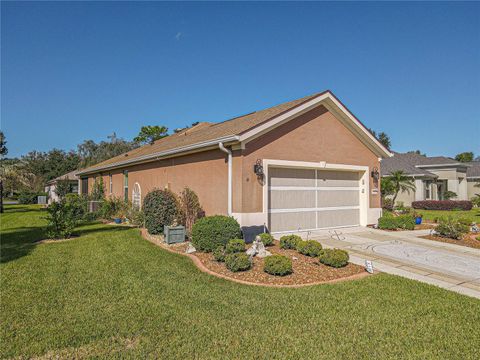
x=92, y=153
x=384, y=139
x=418, y=152
x=148, y=134
x=3, y=152
x=465, y=156
x=400, y=182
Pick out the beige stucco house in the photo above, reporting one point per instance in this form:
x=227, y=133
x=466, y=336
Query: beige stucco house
x=51, y=186
x=434, y=176
x=301, y=165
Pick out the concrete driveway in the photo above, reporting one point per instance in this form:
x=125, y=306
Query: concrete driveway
x=403, y=253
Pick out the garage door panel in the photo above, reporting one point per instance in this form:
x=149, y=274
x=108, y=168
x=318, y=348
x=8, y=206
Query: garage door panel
x=306, y=199
x=337, y=198
x=292, y=221
x=291, y=199
x=337, y=178
x=335, y=218
x=291, y=177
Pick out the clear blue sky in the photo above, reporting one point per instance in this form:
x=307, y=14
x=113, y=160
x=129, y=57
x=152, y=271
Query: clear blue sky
x=76, y=71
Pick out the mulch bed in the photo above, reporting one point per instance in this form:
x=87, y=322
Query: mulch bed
x=468, y=240
x=306, y=270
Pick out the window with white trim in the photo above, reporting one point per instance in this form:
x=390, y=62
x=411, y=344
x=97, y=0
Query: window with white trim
x=110, y=183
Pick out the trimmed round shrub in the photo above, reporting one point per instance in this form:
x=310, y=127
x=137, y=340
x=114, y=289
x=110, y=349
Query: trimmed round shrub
x=219, y=254
x=334, y=257
x=289, y=241
x=267, y=239
x=210, y=232
x=310, y=248
x=278, y=265
x=235, y=246
x=161, y=209
x=237, y=262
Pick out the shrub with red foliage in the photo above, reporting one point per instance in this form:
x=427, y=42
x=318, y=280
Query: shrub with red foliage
x=442, y=205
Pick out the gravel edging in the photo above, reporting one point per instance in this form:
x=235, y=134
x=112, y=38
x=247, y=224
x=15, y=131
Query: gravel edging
x=198, y=263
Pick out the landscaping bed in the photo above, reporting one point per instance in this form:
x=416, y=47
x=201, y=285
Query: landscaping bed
x=468, y=240
x=306, y=270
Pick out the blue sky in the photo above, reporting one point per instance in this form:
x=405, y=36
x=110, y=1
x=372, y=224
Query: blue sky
x=76, y=71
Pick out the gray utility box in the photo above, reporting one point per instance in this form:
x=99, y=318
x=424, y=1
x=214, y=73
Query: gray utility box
x=174, y=234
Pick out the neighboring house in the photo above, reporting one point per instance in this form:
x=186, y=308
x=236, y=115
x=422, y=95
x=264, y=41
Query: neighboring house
x=433, y=176
x=51, y=186
x=473, y=178
x=301, y=165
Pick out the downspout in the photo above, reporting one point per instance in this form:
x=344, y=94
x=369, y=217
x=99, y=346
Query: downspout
x=229, y=198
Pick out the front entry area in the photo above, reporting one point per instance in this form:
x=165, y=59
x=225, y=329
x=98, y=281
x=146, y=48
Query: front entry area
x=302, y=199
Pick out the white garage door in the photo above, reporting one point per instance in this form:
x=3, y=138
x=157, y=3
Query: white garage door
x=308, y=199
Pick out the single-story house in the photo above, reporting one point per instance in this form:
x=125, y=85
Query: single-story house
x=302, y=165
x=434, y=176
x=51, y=185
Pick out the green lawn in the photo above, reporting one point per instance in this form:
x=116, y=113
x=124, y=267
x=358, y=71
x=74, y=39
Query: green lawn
x=473, y=215
x=110, y=294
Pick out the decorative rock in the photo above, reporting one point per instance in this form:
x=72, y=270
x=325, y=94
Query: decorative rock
x=190, y=249
x=294, y=258
x=252, y=251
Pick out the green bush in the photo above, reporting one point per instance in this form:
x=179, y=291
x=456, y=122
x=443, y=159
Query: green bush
x=289, y=241
x=110, y=207
x=78, y=204
x=278, y=265
x=161, y=209
x=237, y=262
x=267, y=239
x=390, y=222
x=61, y=220
x=406, y=222
x=452, y=228
x=210, y=232
x=478, y=238
x=235, y=246
x=135, y=216
x=310, y=248
x=334, y=257
x=219, y=254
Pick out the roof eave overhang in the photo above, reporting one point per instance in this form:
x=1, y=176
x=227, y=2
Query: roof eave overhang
x=184, y=150
x=333, y=105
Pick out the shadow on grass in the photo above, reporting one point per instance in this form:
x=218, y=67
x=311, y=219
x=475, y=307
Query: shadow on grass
x=23, y=208
x=19, y=242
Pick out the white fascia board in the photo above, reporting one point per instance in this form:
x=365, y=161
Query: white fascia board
x=161, y=154
x=333, y=105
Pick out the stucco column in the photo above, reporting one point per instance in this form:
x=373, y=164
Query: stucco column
x=462, y=189
x=419, y=190
x=452, y=185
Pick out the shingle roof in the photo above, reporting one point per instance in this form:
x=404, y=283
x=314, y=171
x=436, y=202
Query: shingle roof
x=411, y=163
x=474, y=170
x=68, y=176
x=207, y=131
x=405, y=162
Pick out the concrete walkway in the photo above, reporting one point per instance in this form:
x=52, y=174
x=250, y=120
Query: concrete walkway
x=403, y=253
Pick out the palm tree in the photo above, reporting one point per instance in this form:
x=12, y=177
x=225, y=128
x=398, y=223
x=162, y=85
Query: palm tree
x=400, y=182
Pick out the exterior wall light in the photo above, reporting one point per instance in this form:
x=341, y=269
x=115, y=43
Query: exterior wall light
x=258, y=168
x=375, y=174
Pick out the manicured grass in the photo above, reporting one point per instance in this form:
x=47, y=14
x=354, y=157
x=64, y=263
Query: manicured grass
x=109, y=293
x=473, y=215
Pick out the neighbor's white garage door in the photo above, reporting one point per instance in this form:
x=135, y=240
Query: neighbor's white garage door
x=308, y=199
